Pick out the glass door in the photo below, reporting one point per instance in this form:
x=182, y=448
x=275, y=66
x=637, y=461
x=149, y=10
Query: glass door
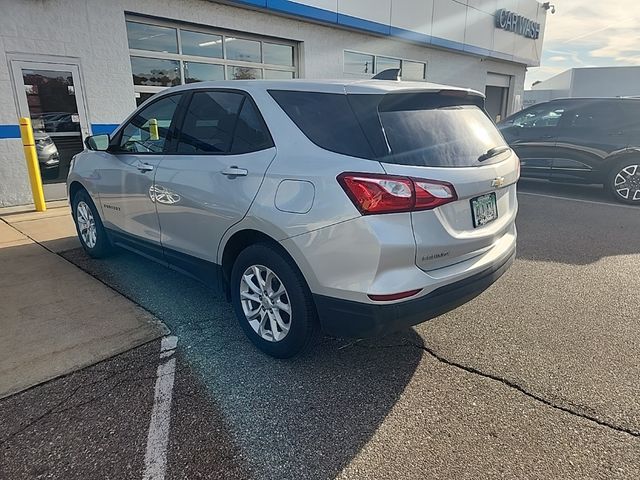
x=51, y=94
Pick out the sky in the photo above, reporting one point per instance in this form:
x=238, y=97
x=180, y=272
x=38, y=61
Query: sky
x=589, y=33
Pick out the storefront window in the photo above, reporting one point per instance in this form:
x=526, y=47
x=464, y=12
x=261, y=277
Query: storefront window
x=278, y=54
x=277, y=74
x=245, y=50
x=152, y=37
x=243, y=73
x=358, y=63
x=164, y=55
x=202, y=72
x=413, y=70
x=156, y=72
x=386, y=63
x=366, y=64
x=201, y=44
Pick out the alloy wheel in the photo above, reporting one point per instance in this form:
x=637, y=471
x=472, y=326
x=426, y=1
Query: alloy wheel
x=86, y=224
x=627, y=182
x=265, y=303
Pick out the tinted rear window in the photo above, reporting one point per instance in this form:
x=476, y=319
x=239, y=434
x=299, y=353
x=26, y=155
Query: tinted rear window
x=446, y=129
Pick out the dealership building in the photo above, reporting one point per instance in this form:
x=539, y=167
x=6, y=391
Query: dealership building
x=79, y=67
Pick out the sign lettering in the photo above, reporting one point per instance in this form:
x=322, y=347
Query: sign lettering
x=512, y=22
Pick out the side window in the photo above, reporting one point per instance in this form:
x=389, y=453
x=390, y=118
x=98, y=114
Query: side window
x=591, y=115
x=210, y=122
x=251, y=133
x=547, y=115
x=630, y=115
x=148, y=131
x=327, y=119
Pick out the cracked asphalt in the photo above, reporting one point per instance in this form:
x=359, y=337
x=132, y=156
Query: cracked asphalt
x=538, y=378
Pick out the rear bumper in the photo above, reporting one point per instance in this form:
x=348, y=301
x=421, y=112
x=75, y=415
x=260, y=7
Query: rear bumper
x=349, y=319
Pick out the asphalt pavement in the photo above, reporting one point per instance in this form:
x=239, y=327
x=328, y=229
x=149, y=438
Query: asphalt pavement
x=535, y=379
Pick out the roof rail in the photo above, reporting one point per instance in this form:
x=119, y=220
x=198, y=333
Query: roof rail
x=389, y=74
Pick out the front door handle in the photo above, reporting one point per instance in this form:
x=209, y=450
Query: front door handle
x=234, y=171
x=145, y=167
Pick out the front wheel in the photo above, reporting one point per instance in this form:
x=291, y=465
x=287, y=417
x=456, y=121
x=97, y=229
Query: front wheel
x=91, y=232
x=623, y=181
x=272, y=301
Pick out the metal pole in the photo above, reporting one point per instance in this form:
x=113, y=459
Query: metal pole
x=29, y=145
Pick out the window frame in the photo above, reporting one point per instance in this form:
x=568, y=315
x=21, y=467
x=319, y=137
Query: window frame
x=184, y=106
x=114, y=144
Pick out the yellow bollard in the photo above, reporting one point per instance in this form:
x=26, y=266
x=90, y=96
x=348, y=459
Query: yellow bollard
x=29, y=145
x=153, y=129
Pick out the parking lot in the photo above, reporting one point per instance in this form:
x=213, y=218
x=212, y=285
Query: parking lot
x=536, y=378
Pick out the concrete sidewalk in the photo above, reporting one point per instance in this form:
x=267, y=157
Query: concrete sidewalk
x=54, y=317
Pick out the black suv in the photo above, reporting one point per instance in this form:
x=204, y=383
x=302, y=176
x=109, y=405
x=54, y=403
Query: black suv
x=580, y=140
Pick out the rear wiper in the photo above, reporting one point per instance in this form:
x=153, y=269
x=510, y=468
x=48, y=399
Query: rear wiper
x=492, y=152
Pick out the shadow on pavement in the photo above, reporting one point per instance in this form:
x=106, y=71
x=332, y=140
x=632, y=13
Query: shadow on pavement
x=303, y=418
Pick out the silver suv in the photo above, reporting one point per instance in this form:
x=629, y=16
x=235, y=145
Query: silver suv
x=358, y=207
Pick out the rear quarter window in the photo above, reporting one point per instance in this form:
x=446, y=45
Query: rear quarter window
x=326, y=119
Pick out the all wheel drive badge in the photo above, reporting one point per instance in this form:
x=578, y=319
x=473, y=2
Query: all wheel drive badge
x=498, y=182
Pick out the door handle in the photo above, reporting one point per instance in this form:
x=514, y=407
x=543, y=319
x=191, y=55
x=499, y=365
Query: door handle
x=546, y=137
x=234, y=171
x=145, y=167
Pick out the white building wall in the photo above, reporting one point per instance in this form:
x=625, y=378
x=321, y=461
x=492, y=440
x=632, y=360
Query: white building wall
x=93, y=32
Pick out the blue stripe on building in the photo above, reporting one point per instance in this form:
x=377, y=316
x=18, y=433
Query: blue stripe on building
x=13, y=131
x=101, y=128
x=9, y=131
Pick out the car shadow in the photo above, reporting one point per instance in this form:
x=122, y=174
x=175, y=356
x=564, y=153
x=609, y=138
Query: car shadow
x=573, y=232
x=302, y=418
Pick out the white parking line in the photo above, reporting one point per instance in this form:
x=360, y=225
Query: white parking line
x=580, y=200
x=155, y=458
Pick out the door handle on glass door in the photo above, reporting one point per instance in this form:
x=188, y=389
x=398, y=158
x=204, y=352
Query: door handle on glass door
x=145, y=167
x=234, y=171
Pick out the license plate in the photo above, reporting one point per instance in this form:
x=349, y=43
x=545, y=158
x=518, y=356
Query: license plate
x=484, y=209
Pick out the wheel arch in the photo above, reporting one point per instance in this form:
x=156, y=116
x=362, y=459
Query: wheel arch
x=74, y=187
x=242, y=239
x=617, y=157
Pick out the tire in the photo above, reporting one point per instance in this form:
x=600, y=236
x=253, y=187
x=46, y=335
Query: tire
x=296, y=329
x=85, y=215
x=628, y=171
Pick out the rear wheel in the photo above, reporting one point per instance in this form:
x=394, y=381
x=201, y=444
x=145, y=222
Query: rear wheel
x=272, y=301
x=623, y=181
x=90, y=230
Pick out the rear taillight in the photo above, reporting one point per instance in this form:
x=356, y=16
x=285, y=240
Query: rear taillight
x=373, y=194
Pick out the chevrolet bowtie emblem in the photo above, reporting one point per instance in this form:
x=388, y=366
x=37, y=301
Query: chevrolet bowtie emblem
x=497, y=182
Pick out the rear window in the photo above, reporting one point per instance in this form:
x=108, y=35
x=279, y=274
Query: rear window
x=445, y=129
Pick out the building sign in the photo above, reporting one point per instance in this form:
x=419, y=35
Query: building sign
x=513, y=22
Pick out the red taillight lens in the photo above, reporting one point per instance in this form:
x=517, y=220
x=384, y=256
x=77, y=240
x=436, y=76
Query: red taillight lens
x=374, y=194
x=430, y=194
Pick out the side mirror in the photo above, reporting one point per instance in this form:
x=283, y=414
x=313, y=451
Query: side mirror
x=99, y=143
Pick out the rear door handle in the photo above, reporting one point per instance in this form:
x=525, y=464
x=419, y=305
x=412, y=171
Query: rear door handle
x=145, y=167
x=235, y=172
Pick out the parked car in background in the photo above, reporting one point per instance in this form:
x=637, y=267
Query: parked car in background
x=48, y=156
x=580, y=140
x=369, y=205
